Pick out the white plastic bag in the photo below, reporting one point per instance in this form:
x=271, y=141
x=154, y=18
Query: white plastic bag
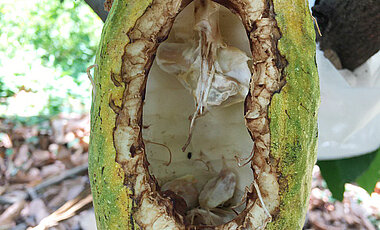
x=349, y=115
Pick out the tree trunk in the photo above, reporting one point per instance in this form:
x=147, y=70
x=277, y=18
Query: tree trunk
x=98, y=7
x=280, y=113
x=350, y=29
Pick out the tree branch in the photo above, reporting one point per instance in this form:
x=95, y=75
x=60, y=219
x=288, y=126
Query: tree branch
x=98, y=7
x=350, y=29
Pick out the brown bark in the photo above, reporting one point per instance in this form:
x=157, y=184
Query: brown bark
x=350, y=29
x=98, y=7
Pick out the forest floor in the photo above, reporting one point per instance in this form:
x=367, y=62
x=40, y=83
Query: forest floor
x=44, y=182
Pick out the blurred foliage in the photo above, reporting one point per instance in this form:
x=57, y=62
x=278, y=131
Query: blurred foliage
x=47, y=46
x=4, y=92
x=63, y=34
x=363, y=170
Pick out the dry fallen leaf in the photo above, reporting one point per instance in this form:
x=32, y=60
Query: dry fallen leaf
x=11, y=213
x=38, y=209
x=5, y=141
x=69, y=189
x=42, y=157
x=53, y=169
x=22, y=156
x=64, y=212
x=87, y=220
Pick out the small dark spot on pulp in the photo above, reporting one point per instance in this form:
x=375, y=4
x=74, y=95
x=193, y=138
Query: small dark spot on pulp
x=132, y=150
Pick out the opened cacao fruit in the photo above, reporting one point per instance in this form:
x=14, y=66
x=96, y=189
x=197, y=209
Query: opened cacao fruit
x=204, y=115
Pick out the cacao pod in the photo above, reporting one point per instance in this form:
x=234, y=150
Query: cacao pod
x=204, y=115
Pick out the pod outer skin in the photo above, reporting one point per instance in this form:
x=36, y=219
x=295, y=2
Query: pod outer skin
x=292, y=114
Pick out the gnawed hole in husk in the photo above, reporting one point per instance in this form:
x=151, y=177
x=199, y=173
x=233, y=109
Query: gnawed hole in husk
x=194, y=114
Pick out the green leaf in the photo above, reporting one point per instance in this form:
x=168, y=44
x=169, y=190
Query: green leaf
x=363, y=168
x=370, y=177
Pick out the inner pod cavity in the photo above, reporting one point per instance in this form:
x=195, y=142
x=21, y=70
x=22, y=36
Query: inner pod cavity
x=193, y=128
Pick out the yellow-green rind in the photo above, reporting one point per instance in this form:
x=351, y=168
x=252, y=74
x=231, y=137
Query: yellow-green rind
x=293, y=113
x=111, y=198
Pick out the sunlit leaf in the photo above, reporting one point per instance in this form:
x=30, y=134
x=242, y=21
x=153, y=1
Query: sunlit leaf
x=362, y=168
x=369, y=178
